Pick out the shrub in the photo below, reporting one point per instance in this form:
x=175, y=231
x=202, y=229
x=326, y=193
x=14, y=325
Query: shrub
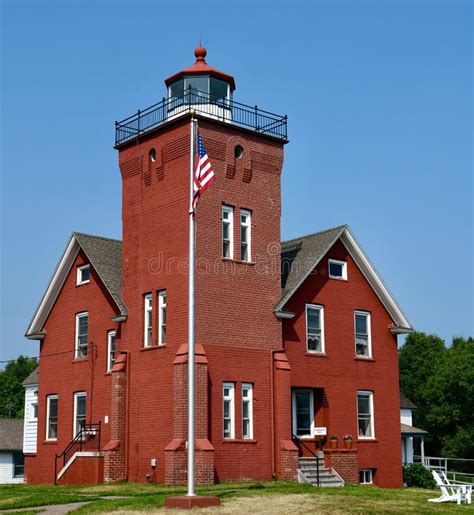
x=417, y=475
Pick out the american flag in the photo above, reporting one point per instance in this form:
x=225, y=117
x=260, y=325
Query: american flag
x=203, y=174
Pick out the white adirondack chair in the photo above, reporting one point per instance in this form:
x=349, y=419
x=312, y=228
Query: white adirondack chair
x=451, y=492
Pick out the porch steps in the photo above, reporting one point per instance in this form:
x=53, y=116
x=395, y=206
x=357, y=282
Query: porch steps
x=308, y=473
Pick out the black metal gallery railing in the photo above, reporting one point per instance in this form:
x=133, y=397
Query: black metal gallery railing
x=87, y=439
x=203, y=103
x=298, y=441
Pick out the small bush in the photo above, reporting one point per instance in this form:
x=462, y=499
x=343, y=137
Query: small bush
x=417, y=475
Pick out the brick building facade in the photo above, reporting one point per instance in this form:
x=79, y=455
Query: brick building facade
x=294, y=340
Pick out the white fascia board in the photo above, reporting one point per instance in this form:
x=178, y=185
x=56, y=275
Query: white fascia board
x=34, y=331
x=376, y=282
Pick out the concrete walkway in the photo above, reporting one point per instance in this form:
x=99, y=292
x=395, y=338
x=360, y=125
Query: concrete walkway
x=62, y=509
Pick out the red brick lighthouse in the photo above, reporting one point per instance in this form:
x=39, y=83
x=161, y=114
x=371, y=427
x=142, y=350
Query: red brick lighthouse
x=237, y=278
x=295, y=341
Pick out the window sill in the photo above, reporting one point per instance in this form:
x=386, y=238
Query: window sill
x=80, y=360
x=316, y=354
x=153, y=347
x=363, y=358
x=82, y=284
x=238, y=261
x=338, y=278
x=367, y=440
x=240, y=440
x=50, y=442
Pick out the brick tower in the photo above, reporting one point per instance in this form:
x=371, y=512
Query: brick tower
x=237, y=283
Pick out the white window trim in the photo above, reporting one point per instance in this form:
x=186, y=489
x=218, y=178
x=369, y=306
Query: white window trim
x=162, y=303
x=148, y=307
x=311, y=411
x=48, y=401
x=32, y=409
x=369, y=394
x=78, y=317
x=248, y=225
x=77, y=395
x=111, y=333
x=344, y=269
x=371, y=475
x=249, y=388
x=79, y=280
x=321, y=318
x=369, y=334
x=230, y=211
x=231, y=399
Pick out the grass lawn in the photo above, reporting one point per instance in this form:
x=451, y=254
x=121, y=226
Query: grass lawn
x=237, y=498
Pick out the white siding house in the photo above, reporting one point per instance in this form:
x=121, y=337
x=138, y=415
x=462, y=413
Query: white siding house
x=409, y=433
x=31, y=413
x=11, y=455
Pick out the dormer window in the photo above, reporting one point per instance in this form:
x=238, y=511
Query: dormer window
x=337, y=269
x=83, y=274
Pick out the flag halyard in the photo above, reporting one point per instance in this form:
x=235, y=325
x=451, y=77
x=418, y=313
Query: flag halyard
x=203, y=174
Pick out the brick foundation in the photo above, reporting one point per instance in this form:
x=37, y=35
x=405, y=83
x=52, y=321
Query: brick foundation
x=289, y=461
x=344, y=462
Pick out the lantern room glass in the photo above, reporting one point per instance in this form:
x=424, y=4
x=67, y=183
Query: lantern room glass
x=204, y=89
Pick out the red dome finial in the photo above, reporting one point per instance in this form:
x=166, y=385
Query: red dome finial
x=200, y=52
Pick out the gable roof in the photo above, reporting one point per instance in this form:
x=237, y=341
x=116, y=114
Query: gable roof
x=32, y=378
x=301, y=255
x=11, y=434
x=405, y=402
x=104, y=254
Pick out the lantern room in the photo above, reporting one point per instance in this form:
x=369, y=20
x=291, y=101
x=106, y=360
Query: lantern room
x=201, y=84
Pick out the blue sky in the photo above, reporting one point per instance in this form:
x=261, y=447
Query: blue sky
x=379, y=99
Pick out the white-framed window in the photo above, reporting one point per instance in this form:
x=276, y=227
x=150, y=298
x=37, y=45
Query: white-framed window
x=148, y=336
x=227, y=232
x=303, y=412
x=366, y=476
x=245, y=235
x=365, y=414
x=247, y=410
x=162, y=317
x=337, y=269
x=315, y=328
x=228, y=410
x=82, y=334
x=83, y=274
x=34, y=410
x=110, y=350
x=363, y=337
x=80, y=400
x=52, y=417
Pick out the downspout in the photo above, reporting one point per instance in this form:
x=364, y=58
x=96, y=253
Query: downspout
x=127, y=419
x=272, y=405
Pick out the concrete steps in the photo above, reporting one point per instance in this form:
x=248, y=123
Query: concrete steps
x=308, y=473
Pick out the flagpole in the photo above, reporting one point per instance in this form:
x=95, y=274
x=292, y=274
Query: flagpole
x=191, y=491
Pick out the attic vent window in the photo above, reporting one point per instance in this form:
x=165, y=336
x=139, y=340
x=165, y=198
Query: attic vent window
x=152, y=155
x=337, y=269
x=83, y=274
x=238, y=152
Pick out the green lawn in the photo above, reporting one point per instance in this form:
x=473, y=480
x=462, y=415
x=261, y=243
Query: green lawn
x=270, y=497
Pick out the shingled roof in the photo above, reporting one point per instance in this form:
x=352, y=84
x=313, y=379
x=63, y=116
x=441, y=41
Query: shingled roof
x=405, y=402
x=300, y=255
x=32, y=378
x=11, y=434
x=104, y=255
